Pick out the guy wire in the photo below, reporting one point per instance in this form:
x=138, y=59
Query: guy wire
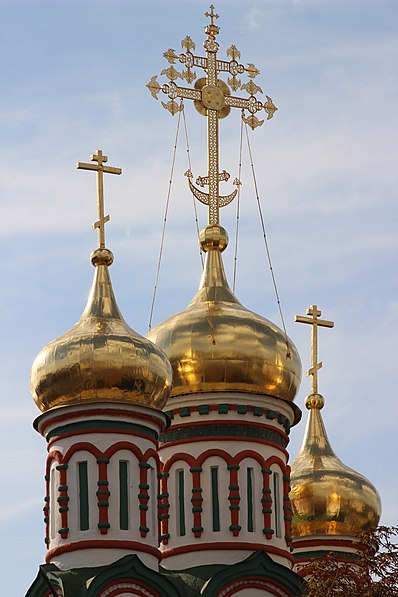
x=288, y=351
x=238, y=205
x=190, y=168
x=166, y=211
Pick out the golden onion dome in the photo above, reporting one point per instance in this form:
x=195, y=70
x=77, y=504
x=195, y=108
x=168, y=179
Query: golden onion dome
x=328, y=497
x=217, y=345
x=101, y=359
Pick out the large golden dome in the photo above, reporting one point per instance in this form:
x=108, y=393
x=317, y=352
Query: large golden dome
x=217, y=345
x=101, y=359
x=328, y=497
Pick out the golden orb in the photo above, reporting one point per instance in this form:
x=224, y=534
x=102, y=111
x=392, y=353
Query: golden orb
x=328, y=497
x=217, y=345
x=101, y=359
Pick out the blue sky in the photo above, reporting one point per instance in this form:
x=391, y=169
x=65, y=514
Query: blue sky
x=73, y=78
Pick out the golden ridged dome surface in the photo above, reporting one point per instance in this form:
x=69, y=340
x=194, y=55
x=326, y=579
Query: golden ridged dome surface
x=328, y=497
x=216, y=344
x=101, y=359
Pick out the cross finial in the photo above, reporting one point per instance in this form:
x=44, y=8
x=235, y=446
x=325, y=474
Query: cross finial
x=211, y=14
x=314, y=322
x=213, y=99
x=99, y=167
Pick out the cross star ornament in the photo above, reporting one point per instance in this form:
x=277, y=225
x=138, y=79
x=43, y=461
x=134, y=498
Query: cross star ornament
x=212, y=98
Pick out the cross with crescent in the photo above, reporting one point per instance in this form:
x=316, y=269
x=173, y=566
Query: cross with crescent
x=315, y=322
x=212, y=98
x=100, y=168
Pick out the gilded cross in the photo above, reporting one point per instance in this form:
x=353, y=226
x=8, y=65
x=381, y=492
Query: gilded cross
x=100, y=168
x=212, y=98
x=315, y=322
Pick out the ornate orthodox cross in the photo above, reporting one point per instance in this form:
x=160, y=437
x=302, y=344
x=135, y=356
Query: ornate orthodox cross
x=212, y=98
x=100, y=169
x=315, y=322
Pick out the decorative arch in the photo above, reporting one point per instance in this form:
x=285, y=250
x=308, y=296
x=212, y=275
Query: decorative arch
x=258, y=570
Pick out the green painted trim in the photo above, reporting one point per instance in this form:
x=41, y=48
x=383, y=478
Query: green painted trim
x=235, y=527
x=81, y=426
x=203, y=409
x=61, y=467
x=103, y=460
x=249, y=487
x=258, y=411
x=103, y=525
x=63, y=530
x=258, y=565
x=181, y=504
x=185, y=411
x=144, y=465
x=241, y=409
x=221, y=430
x=223, y=409
x=322, y=553
x=83, y=496
x=215, y=504
x=277, y=505
x=129, y=567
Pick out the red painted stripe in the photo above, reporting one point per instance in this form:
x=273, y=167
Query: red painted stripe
x=134, y=546
x=101, y=430
x=233, y=545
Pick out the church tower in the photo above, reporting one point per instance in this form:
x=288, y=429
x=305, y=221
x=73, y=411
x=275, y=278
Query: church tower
x=332, y=504
x=225, y=513
x=101, y=387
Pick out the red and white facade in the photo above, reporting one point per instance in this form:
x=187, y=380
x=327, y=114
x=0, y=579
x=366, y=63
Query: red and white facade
x=227, y=451
x=88, y=445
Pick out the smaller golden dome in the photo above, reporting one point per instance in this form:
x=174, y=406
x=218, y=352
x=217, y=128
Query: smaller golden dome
x=328, y=497
x=101, y=359
x=217, y=345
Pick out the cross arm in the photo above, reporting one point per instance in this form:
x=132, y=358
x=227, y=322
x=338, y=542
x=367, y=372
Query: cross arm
x=250, y=103
x=98, y=168
x=322, y=322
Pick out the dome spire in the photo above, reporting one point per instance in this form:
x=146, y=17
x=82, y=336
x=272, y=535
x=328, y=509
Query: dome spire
x=327, y=497
x=100, y=359
x=315, y=366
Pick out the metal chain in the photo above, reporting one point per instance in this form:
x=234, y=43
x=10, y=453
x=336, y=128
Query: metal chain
x=288, y=351
x=238, y=205
x=166, y=211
